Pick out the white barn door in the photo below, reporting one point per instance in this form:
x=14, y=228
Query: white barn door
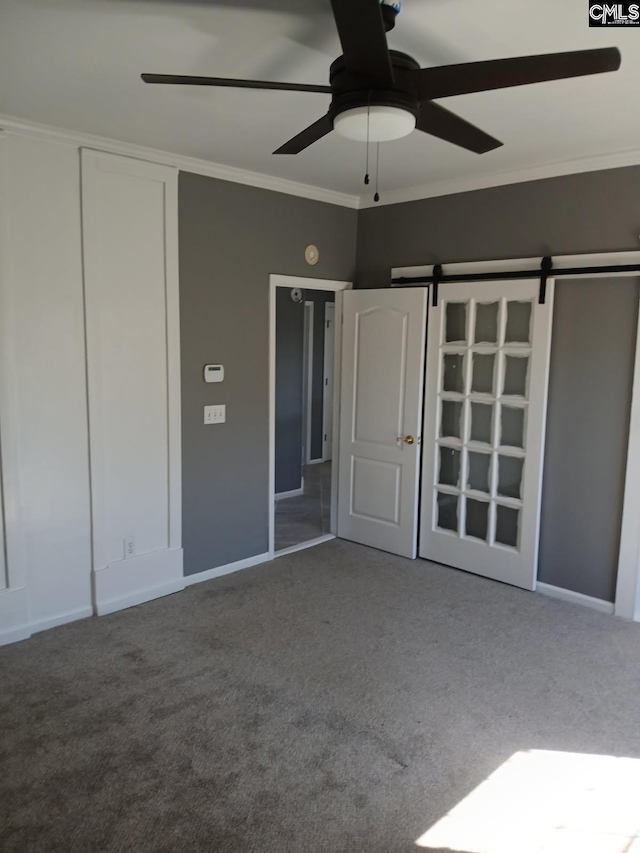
x=380, y=417
x=485, y=413
x=129, y=211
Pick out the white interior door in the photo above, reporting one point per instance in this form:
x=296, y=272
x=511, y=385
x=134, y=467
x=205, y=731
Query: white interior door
x=327, y=398
x=380, y=417
x=485, y=413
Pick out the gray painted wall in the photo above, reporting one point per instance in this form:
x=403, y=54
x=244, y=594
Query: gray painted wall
x=593, y=339
x=232, y=237
x=289, y=397
x=592, y=356
x=594, y=212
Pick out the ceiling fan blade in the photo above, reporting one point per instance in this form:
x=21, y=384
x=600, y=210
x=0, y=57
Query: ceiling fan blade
x=363, y=38
x=186, y=80
x=308, y=136
x=437, y=121
x=448, y=80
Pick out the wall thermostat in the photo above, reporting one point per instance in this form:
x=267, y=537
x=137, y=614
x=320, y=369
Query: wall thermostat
x=213, y=373
x=312, y=255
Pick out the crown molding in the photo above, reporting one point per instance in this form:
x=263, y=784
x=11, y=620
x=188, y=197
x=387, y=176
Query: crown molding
x=184, y=163
x=210, y=169
x=596, y=163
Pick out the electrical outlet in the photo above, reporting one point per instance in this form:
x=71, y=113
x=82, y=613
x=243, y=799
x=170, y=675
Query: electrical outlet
x=215, y=414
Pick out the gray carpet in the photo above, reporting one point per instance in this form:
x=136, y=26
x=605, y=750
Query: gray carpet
x=336, y=700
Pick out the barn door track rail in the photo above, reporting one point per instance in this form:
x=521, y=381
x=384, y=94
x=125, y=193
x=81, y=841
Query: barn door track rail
x=544, y=271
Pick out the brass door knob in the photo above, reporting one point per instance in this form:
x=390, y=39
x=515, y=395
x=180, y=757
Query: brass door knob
x=408, y=439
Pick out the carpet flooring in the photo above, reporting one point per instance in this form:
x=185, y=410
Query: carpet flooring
x=337, y=700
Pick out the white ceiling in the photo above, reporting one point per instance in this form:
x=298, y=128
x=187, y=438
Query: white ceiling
x=75, y=64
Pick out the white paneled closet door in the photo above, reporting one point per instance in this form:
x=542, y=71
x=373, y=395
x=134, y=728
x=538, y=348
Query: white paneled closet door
x=488, y=347
x=45, y=520
x=131, y=283
x=14, y=604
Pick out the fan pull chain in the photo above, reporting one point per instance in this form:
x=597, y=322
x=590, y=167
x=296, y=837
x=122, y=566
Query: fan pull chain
x=376, y=197
x=366, y=177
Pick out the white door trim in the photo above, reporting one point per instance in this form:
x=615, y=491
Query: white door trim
x=308, y=383
x=327, y=411
x=291, y=281
x=627, y=601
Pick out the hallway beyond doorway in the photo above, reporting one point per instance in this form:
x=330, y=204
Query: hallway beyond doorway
x=307, y=516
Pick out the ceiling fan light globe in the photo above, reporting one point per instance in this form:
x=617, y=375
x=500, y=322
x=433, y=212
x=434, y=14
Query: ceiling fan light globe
x=375, y=123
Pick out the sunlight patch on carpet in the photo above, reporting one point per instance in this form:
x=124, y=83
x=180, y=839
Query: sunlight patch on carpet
x=547, y=802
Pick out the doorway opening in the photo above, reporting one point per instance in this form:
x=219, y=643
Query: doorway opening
x=304, y=401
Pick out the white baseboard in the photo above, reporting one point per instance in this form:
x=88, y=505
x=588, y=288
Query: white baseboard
x=131, y=582
x=316, y=461
x=14, y=615
x=302, y=545
x=14, y=635
x=294, y=493
x=64, y=619
x=227, y=570
x=141, y=597
x=575, y=598
x=24, y=631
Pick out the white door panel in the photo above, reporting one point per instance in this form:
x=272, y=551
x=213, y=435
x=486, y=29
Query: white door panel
x=383, y=358
x=131, y=290
x=485, y=413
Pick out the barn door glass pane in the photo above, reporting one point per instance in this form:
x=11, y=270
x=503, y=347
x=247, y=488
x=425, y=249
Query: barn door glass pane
x=512, y=426
x=456, y=322
x=518, y=329
x=477, y=519
x=487, y=322
x=481, y=422
x=453, y=373
x=515, y=376
x=451, y=419
x=449, y=466
x=483, y=371
x=447, y=511
x=480, y=471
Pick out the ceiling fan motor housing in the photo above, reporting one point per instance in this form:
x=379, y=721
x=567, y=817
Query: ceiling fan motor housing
x=350, y=90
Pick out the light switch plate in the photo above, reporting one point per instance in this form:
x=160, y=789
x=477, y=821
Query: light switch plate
x=215, y=414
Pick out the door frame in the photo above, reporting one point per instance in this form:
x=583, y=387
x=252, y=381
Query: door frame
x=307, y=380
x=627, y=599
x=327, y=421
x=338, y=287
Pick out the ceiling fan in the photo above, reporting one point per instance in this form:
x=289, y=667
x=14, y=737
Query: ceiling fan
x=379, y=94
